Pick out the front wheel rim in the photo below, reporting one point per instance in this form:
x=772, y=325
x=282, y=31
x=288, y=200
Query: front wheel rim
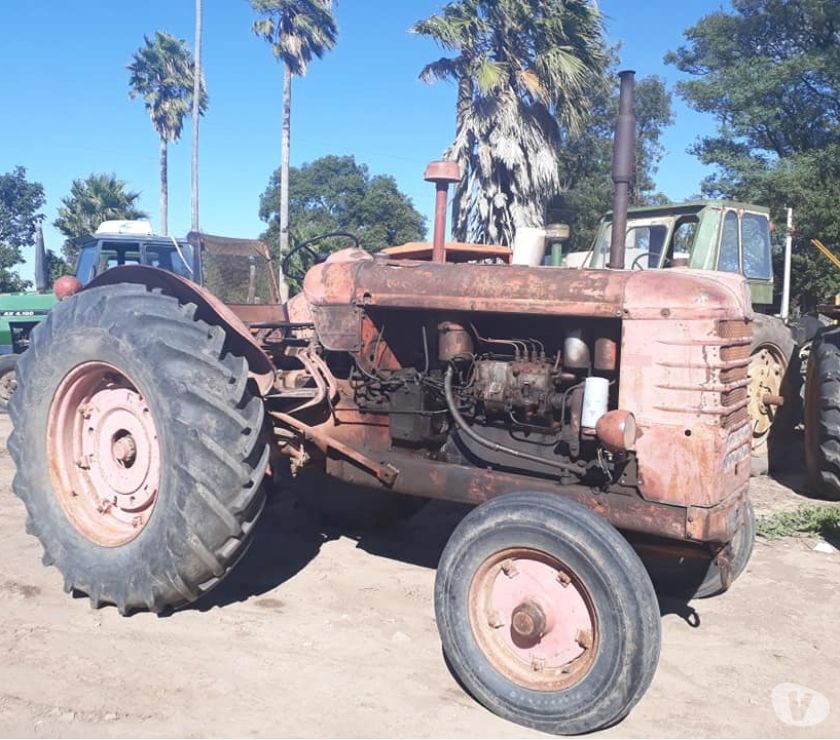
x=104, y=454
x=533, y=619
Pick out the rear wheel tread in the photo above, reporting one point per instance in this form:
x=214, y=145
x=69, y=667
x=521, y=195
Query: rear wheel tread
x=211, y=516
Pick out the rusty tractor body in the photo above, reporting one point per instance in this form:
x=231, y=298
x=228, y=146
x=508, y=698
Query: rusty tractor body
x=566, y=405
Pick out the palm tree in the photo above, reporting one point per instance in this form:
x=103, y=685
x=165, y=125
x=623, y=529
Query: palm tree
x=97, y=198
x=198, y=81
x=162, y=73
x=523, y=69
x=297, y=31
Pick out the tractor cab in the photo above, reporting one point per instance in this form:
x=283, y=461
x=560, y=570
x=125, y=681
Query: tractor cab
x=704, y=235
x=119, y=243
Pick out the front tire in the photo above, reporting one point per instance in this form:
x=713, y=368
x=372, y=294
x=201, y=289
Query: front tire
x=546, y=614
x=139, y=449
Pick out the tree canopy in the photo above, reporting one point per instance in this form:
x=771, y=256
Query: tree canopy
x=20, y=203
x=525, y=70
x=338, y=194
x=769, y=71
x=296, y=30
x=97, y=198
x=162, y=75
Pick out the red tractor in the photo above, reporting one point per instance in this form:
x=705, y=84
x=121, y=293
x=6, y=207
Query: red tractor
x=590, y=416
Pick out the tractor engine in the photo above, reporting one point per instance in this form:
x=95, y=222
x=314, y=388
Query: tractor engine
x=507, y=399
x=415, y=375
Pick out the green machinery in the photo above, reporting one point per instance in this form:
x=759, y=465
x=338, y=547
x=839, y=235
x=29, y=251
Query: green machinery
x=114, y=243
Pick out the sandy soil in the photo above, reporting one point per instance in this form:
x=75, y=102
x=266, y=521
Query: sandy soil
x=321, y=633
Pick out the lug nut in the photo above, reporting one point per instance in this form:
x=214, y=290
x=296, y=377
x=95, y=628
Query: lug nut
x=509, y=568
x=563, y=578
x=584, y=639
x=494, y=619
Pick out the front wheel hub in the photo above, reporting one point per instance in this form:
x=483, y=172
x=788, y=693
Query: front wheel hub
x=104, y=453
x=533, y=619
x=528, y=622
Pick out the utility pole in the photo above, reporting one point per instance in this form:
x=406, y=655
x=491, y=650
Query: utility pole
x=196, y=113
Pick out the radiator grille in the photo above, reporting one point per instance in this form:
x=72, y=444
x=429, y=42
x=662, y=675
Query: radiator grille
x=723, y=392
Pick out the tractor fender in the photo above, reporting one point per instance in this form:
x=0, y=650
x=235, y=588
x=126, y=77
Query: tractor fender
x=208, y=308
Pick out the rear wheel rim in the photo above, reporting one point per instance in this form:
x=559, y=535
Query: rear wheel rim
x=8, y=384
x=533, y=619
x=766, y=373
x=104, y=454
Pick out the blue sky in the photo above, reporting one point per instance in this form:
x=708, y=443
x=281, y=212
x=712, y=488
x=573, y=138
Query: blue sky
x=66, y=112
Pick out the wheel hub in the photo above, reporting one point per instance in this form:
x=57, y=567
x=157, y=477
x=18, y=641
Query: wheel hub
x=533, y=619
x=103, y=441
x=528, y=622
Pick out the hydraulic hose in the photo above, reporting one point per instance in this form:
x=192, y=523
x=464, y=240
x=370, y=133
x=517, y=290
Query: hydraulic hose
x=461, y=423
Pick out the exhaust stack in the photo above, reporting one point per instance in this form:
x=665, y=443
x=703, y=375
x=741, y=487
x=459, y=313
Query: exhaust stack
x=623, y=168
x=42, y=277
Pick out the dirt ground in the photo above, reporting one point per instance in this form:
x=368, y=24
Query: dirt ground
x=321, y=633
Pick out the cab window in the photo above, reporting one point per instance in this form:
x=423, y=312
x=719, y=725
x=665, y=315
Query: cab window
x=683, y=239
x=167, y=258
x=755, y=242
x=117, y=254
x=729, y=259
x=86, y=265
x=644, y=244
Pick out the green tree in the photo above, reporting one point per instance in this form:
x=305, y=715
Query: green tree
x=162, y=74
x=97, y=198
x=297, y=31
x=769, y=72
x=20, y=205
x=524, y=71
x=585, y=158
x=338, y=194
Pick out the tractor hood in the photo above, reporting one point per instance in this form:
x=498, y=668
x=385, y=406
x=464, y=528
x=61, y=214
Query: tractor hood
x=354, y=281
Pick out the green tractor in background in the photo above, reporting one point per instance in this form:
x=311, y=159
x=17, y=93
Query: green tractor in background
x=728, y=237
x=238, y=270
x=20, y=313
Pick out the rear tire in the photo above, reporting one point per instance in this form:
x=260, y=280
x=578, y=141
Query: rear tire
x=8, y=380
x=574, y=570
x=208, y=453
x=822, y=416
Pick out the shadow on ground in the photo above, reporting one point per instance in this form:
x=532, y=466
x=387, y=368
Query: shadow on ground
x=288, y=537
